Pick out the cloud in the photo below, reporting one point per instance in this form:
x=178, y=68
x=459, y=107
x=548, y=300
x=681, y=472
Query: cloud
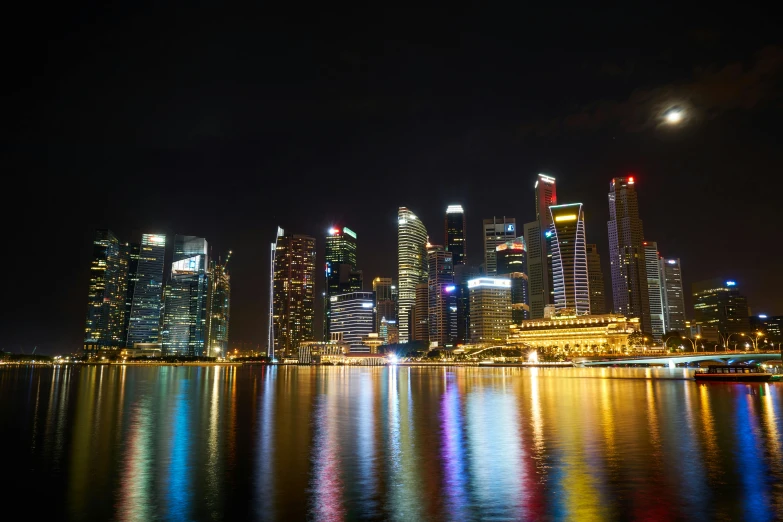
x=709, y=93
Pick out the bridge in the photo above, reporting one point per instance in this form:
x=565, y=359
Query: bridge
x=671, y=360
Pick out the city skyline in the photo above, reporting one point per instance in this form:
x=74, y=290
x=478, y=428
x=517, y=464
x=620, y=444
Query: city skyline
x=338, y=251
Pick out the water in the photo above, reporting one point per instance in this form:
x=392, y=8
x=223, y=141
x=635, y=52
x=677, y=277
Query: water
x=235, y=443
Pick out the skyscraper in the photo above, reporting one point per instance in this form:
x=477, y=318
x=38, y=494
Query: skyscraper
x=294, y=293
x=342, y=275
x=131, y=252
x=718, y=302
x=673, y=295
x=388, y=331
x=420, y=328
x=385, y=300
x=185, y=314
x=490, y=309
x=626, y=253
x=463, y=274
x=569, y=258
x=144, y=324
x=442, y=297
x=654, y=289
x=512, y=263
x=106, y=297
x=596, y=281
x=455, y=234
x=496, y=232
x=411, y=265
x=353, y=317
x=539, y=260
x=218, y=312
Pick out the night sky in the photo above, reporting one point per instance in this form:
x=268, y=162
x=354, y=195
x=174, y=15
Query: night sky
x=227, y=123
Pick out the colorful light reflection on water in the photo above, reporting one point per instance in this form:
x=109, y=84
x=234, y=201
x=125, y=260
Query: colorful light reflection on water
x=210, y=443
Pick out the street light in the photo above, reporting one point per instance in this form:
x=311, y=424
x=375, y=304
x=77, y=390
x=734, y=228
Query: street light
x=692, y=343
x=755, y=340
x=728, y=338
x=666, y=340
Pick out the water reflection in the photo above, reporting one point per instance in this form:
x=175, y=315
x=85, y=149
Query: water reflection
x=212, y=443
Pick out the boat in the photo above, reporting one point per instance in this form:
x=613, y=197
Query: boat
x=732, y=373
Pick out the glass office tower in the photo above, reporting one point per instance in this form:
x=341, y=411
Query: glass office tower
x=411, y=266
x=144, y=323
x=512, y=263
x=106, y=297
x=569, y=258
x=185, y=315
x=626, y=253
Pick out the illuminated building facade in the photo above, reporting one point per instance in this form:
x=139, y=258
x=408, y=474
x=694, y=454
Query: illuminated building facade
x=385, y=300
x=673, y=295
x=626, y=253
x=388, y=331
x=131, y=252
x=490, y=309
x=411, y=266
x=342, y=275
x=186, y=295
x=595, y=277
x=442, y=295
x=537, y=237
x=293, y=293
x=145, y=318
x=583, y=333
x=455, y=234
x=420, y=315
x=496, y=232
x=655, y=289
x=771, y=326
x=353, y=317
x=463, y=274
x=718, y=302
x=106, y=297
x=512, y=263
x=218, y=309
x=569, y=258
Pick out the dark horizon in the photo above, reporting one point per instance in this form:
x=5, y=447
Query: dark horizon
x=227, y=125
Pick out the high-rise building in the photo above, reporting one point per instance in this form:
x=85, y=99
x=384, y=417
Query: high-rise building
x=569, y=258
x=385, y=300
x=342, y=275
x=411, y=265
x=496, y=232
x=539, y=257
x=294, y=293
x=218, y=308
x=626, y=253
x=463, y=274
x=455, y=233
x=512, y=263
x=145, y=319
x=420, y=319
x=770, y=326
x=388, y=331
x=654, y=289
x=718, y=302
x=442, y=297
x=186, y=295
x=353, y=318
x=490, y=309
x=595, y=277
x=673, y=295
x=106, y=296
x=131, y=252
